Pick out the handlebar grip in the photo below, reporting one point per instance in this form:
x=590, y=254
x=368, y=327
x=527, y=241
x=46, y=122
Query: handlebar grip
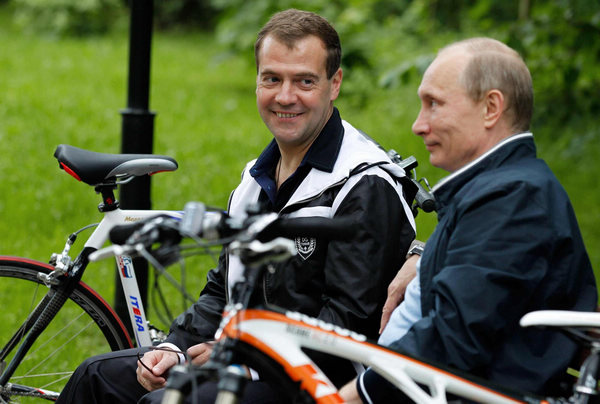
x=424, y=198
x=340, y=228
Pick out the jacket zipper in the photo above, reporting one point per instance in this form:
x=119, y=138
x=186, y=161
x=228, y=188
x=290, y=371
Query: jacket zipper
x=312, y=198
x=342, y=181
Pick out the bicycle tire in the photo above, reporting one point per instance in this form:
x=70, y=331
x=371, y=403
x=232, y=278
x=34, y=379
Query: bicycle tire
x=271, y=371
x=85, y=326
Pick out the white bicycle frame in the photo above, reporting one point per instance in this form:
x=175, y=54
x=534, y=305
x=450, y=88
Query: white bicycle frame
x=137, y=314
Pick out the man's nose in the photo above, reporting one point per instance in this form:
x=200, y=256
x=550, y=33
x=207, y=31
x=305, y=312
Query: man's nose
x=286, y=94
x=420, y=126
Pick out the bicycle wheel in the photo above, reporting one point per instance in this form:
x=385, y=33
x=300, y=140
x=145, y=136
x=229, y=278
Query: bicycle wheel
x=86, y=325
x=271, y=371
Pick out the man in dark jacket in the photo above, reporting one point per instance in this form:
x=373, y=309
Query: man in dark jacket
x=316, y=165
x=507, y=241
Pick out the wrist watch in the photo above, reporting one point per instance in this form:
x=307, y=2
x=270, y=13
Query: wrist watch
x=416, y=247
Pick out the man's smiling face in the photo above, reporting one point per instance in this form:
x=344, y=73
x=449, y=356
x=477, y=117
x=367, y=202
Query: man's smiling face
x=293, y=94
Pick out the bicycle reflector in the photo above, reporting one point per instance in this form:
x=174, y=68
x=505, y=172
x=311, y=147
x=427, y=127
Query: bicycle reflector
x=68, y=170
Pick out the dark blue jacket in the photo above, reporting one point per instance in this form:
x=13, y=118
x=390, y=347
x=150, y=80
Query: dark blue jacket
x=507, y=243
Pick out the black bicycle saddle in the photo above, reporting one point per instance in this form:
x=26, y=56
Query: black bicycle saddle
x=95, y=168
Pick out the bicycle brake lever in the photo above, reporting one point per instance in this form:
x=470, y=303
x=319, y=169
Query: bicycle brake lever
x=111, y=251
x=256, y=252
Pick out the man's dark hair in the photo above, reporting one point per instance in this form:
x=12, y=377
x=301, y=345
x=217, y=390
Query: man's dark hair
x=292, y=25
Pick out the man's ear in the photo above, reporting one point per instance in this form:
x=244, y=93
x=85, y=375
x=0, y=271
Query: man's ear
x=494, y=107
x=336, y=82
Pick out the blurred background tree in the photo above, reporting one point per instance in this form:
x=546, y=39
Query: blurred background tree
x=559, y=39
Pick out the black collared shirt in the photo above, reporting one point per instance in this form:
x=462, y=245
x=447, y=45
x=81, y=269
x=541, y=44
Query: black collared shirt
x=321, y=155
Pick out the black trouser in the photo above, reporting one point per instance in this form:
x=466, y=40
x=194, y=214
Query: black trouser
x=111, y=379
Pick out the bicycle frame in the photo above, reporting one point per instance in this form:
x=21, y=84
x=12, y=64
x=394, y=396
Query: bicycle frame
x=104, y=172
x=283, y=335
x=135, y=306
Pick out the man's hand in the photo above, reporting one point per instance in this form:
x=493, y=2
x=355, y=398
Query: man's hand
x=397, y=288
x=200, y=352
x=158, y=361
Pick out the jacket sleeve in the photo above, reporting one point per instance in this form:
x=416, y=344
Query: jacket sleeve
x=496, y=257
x=359, y=270
x=200, y=321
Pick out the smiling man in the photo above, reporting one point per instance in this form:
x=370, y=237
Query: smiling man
x=316, y=165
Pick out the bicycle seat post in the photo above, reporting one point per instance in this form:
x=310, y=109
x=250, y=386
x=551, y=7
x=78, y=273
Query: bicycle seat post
x=109, y=202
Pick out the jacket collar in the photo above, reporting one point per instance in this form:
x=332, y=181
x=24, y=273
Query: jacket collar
x=321, y=155
x=338, y=138
x=448, y=186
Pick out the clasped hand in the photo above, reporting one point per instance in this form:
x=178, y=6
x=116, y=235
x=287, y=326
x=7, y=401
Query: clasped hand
x=154, y=365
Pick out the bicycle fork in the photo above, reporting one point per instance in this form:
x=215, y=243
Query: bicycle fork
x=231, y=385
x=586, y=388
x=37, y=322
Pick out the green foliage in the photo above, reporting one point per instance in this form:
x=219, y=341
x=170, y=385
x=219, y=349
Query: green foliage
x=240, y=20
x=67, y=17
x=561, y=43
x=93, y=17
x=560, y=40
x=186, y=13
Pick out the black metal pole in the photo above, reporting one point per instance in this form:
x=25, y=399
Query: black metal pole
x=137, y=130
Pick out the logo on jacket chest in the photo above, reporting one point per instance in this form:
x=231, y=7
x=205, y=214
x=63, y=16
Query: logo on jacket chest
x=306, y=246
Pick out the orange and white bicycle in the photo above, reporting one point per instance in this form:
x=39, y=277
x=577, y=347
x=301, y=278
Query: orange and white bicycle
x=272, y=341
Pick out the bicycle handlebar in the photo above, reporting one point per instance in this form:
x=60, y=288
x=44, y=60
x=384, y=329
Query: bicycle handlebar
x=221, y=228
x=423, y=197
x=262, y=226
x=336, y=228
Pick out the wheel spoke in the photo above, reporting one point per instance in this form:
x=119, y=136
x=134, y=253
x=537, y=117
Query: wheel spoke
x=84, y=326
x=58, y=349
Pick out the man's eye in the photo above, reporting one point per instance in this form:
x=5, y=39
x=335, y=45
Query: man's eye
x=270, y=80
x=433, y=103
x=307, y=83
